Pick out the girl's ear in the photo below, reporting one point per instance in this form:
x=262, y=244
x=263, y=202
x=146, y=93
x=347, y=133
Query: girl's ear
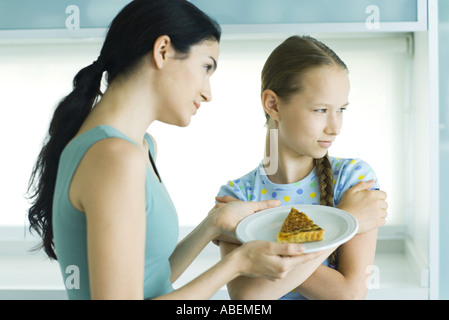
x=161, y=47
x=270, y=102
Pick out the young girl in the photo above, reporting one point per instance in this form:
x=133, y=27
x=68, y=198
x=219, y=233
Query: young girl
x=305, y=91
x=99, y=203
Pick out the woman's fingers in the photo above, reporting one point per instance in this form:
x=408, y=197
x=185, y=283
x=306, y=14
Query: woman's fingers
x=225, y=199
x=272, y=260
x=256, y=206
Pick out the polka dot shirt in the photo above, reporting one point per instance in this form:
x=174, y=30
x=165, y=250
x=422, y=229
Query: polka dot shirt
x=256, y=186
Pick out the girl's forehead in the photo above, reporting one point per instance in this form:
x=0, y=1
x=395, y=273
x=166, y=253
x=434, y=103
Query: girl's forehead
x=324, y=85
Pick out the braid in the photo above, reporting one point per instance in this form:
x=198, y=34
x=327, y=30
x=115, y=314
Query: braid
x=325, y=178
x=324, y=173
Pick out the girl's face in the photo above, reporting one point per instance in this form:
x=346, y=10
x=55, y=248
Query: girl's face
x=311, y=120
x=187, y=82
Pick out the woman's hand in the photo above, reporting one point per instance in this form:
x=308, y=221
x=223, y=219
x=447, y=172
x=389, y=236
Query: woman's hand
x=270, y=260
x=225, y=217
x=367, y=206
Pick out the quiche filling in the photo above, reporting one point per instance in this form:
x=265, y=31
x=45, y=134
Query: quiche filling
x=299, y=228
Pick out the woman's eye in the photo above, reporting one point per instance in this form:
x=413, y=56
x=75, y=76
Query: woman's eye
x=341, y=109
x=208, y=67
x=321, y=110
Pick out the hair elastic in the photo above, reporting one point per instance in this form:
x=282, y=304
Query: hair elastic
x=99, y=64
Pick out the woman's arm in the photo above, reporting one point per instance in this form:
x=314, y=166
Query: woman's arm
x=189, y=248
x=221, y=221
x=109, y=186
x=242, y=288
x=255, y=259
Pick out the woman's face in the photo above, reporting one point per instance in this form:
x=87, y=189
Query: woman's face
x=187, y=82
x=311, y=120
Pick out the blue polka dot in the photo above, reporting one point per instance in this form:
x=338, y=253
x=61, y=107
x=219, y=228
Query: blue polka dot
x=358, y=167
x=237, y=181
x=336, y=173
x=299, y=191
x=249, y=188
x=236, y=190
x=274, y=194
x=340, y=187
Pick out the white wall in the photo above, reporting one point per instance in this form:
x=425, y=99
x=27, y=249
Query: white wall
x=225, y=139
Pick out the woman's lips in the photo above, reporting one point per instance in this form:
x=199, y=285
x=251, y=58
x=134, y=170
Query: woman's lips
x=325, y=143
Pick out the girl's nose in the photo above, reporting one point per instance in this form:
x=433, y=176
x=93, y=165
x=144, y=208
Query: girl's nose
x=333, y=126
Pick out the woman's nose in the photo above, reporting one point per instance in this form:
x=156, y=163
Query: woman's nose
x=206, y=93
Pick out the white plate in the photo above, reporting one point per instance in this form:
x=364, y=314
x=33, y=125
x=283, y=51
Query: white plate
x=339, y=226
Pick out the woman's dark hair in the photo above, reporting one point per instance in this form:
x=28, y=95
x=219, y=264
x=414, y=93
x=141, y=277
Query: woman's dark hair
x=130, y=37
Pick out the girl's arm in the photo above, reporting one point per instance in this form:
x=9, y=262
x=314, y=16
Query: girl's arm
x=355, y=256
x=355, y=259
x=349, y=282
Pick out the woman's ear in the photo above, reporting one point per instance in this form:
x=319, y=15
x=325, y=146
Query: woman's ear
x=270, y=102
x=161, y=47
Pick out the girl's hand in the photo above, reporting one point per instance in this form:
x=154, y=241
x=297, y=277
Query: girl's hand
x=367, y=206
x=225, y=217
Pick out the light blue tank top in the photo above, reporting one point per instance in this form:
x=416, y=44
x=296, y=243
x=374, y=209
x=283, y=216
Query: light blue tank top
x=69, y=224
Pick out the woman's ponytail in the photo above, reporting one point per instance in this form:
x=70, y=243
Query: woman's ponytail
x=74, y=108
x=67, y=120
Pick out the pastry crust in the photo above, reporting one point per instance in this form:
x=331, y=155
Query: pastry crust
x=299, y=228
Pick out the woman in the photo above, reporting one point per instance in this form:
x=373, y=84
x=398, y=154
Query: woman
x=305, y=90
x=100, y=204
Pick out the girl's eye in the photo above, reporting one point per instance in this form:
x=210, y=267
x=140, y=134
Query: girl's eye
x=321, y=110
x=341, y=109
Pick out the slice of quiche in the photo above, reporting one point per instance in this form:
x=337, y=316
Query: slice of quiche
x=299, y=228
